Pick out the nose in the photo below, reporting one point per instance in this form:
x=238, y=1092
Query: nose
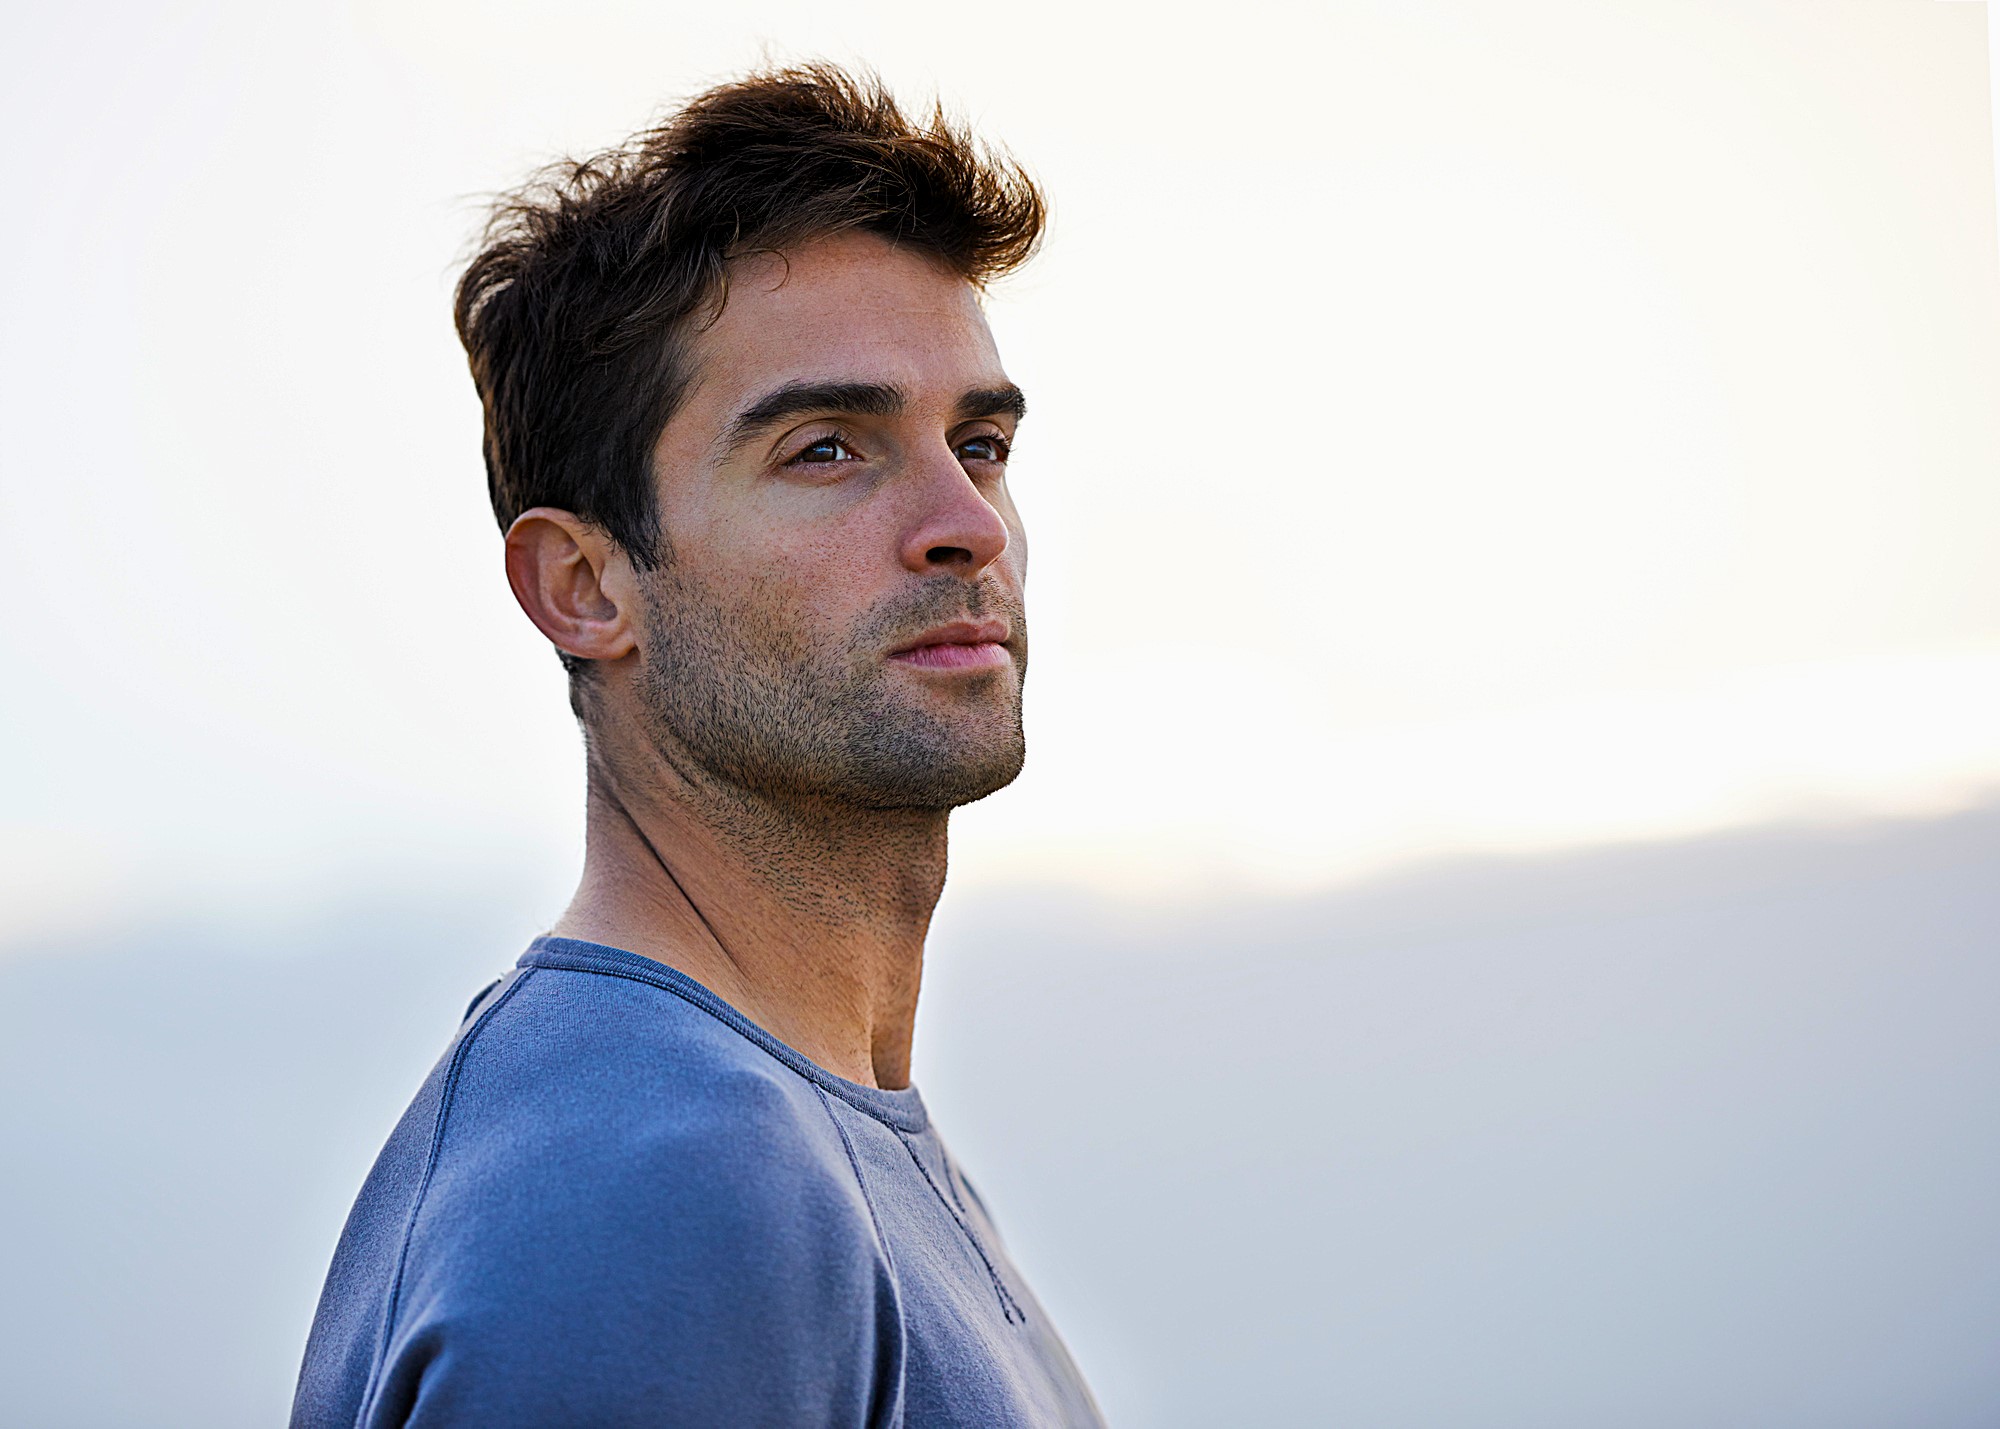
x=955, y=529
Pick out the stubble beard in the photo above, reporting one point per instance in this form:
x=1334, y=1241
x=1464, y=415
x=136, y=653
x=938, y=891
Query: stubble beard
x=767, y=705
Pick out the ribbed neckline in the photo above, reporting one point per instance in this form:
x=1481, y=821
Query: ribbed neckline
x=901, y=1109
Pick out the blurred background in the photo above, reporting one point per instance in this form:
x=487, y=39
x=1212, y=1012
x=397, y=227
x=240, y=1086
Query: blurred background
x=1499, y=926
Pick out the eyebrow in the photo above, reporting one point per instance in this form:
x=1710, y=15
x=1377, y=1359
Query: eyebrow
x=861, y=399
x=1007, y=401
x=798, y=399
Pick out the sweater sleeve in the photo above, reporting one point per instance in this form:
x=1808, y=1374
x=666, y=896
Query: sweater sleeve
x=628, y=1262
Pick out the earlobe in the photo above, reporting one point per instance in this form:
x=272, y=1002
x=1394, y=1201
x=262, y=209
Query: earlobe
x=566, y=574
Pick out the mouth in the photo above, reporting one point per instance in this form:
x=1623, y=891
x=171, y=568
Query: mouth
x=961, y=645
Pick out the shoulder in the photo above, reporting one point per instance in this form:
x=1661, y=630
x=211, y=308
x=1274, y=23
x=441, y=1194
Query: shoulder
x=628, y=1198
x=587, y=1099
x=594, y=1062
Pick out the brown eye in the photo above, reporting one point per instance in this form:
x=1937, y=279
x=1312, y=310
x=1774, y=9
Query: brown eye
x=824, y=451
x=991, y=447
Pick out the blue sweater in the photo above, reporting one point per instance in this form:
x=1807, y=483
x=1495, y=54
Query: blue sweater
x=617, y=1202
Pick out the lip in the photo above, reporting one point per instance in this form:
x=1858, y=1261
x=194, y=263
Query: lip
x=961, y=645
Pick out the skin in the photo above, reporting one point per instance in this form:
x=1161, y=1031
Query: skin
x=781, y=716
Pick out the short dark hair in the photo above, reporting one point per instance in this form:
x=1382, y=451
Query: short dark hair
x=576, y=311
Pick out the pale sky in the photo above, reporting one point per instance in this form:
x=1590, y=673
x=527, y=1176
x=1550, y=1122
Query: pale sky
x=1457, y=426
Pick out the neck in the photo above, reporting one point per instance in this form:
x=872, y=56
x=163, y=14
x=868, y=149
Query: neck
x=809, y=920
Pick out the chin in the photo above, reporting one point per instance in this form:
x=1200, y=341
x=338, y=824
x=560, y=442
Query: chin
x=976, y=783
x=911, y=754
x=926, y=764
x=942, y=784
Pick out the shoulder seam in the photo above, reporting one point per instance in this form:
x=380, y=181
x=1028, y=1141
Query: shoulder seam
x=729, y=1017
x=445, y=1094
x=881, y=1240
x=860, y=1181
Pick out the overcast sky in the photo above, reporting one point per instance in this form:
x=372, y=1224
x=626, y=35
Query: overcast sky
x=1457, y=426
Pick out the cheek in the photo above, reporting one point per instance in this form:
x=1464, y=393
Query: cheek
x=800, y=601
x=1017, y=532
x=1017, y=546
x=730, y=607
x=839, y=566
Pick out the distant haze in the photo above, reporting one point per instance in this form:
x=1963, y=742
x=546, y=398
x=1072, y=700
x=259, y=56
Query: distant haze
x=1691, y=1135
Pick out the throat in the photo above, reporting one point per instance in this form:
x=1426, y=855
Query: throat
x=813, y=932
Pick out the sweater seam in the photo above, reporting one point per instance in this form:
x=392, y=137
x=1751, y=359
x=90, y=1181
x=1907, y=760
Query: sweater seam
x=860, y=1181
x=742, y=1027
x=875, y=1221
x=446, y=1096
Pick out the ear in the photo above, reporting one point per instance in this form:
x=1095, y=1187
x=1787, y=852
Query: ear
x=574, y=582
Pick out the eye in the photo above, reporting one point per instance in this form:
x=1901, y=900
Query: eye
x=823, y=451
x=988, y=446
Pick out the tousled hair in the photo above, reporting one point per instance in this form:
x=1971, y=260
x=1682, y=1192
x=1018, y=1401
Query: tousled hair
x=577, y=310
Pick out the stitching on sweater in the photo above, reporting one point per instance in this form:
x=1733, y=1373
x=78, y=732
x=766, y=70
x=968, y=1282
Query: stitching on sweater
x=705, y=1001
x=951, y=1180
x=1010, y=1309
x=445, y=1094
x=895, y=1391
x=861, y=1181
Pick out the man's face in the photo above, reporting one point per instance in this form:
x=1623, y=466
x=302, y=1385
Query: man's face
x=838, y=617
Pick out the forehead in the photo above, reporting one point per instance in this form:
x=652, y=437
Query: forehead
x=853, y=307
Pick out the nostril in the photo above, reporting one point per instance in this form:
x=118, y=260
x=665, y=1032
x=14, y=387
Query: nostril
x=948, y=556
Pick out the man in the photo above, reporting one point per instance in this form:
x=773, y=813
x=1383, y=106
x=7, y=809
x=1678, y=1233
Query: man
x=747, y=434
